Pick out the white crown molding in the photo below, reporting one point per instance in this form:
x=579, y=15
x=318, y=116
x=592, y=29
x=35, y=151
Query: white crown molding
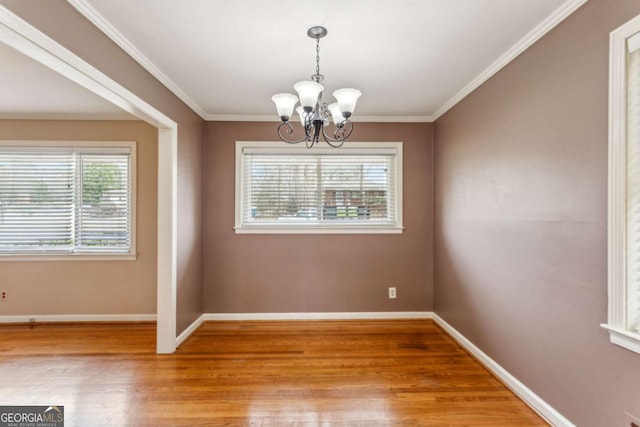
x=393, y=119
x=64, y=318
x=64, y=116
x=533, y=36
x=240, y=118
x=110, y=31
x=359, y=119
x=526, y=394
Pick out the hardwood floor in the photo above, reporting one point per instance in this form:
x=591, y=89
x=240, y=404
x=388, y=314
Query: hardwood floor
x=311, y=373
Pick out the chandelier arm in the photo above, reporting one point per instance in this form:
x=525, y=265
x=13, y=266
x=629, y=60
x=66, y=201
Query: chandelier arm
x=287, y=129
x=340, y=135
x=308, y=131
x=344, y=132
x=328, y=141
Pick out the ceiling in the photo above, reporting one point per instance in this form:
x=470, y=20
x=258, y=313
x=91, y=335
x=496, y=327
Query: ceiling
x=31, y=90
x=411, y=59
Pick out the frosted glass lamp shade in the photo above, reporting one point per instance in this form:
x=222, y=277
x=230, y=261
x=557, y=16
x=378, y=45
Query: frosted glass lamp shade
x=301, y=113
x=336, y=114
x=284, y=104
x=347, y=99
x=308, y=92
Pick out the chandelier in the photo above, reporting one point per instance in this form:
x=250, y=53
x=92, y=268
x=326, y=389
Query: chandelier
x=314, y=114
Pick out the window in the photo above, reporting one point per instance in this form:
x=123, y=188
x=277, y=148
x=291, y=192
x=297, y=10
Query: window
x=72, y=199
x=353, y=189
x=624, y=187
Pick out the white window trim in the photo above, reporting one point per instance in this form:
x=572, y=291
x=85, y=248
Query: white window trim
x=348, y=147
x=128, y=256
x=617, y=200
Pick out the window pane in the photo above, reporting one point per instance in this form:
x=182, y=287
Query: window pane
x=102, y=221
x=311, y=189
x=65, y=200
x=281, y=188
x=356, y=188
x=633, y=191
x=36, y=201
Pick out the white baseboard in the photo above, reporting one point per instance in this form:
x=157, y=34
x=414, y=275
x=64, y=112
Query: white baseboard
x=373, y=315
x=300, y=316
x=190, y=330
x=529, y=397
x=61, y=318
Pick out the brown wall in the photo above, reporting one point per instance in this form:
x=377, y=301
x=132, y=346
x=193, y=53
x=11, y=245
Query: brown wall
x=60, y=21
x=316, y=273
x=90, y=287
x=520, y=222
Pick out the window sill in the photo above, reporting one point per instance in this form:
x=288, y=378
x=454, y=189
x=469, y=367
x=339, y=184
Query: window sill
x=627, y=339
x=305, y=229
x=68, y=257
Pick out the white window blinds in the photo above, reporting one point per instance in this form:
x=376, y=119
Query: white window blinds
x=65, y=200
x=36, y=200
x=104, y=202
x=633, y=186
x=292, y=187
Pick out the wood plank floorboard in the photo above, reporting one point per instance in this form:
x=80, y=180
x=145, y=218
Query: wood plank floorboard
x=286, y=373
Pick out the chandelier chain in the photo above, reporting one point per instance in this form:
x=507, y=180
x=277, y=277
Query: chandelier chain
x=318, y=56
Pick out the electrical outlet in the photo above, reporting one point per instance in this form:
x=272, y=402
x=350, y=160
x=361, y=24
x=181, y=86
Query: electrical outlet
x=632, y=421
x=392, y=292
x=4, y=296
